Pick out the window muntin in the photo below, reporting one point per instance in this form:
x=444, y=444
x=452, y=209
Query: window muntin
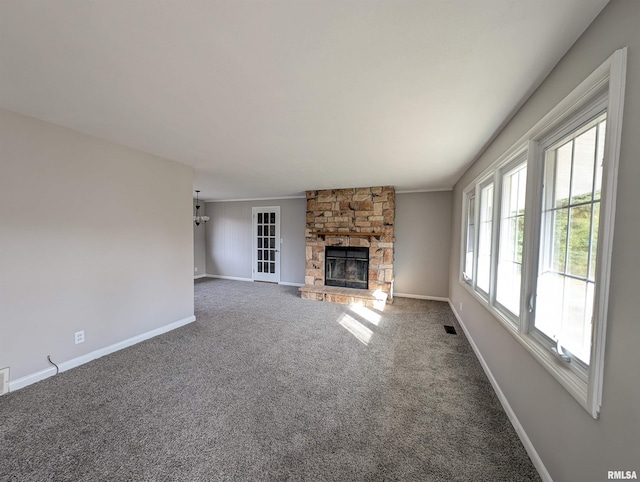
x=509, y=272
x=568, y=239
x=469, y=250
x=485, y=232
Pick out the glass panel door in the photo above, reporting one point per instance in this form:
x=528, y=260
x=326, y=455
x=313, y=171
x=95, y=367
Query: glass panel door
x=266, y=244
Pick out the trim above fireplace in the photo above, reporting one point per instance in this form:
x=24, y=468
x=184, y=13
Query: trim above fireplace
x=351, y=233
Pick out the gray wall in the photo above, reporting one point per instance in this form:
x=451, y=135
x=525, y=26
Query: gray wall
x=423, y=240
x=229, y=238
x=93, y=236
x=199, y=243
x=572, y=445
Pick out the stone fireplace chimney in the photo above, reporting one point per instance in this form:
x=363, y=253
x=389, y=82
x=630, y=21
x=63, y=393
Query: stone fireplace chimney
x=356, y=217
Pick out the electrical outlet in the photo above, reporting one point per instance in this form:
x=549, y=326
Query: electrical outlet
x=461, y=307
x=79, y=337
x=195, y=270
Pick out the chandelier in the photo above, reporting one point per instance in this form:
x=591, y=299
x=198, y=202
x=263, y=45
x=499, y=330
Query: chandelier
x=197, y=218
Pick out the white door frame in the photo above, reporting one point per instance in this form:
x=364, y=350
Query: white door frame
x=265, y=245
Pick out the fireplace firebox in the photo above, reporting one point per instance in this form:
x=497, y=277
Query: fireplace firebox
x=347, y=267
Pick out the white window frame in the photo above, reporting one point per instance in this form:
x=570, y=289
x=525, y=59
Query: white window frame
x=514, y=156
x=511, y=163
x=485, y=294
x=602, y=91
x=466, y=196
x=592, y=110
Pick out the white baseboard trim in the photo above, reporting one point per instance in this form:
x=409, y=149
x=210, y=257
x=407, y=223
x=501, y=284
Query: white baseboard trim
x=237, y=278
x=420, y=297
x=200, y=276
x=524, y=438
x=81, y=360
x=232, y=278
x=32, y=378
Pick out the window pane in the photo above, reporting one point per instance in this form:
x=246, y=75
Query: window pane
x=549, y=304
x=563, y=174
x=484, y=242
x=509, y=273
x=559, y=233
x=564, y=310
x=575, y=331
x=471, y=236
x=579, y=236
x=583, y=163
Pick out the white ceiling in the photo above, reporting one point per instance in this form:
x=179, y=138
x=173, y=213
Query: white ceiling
x=271, y=98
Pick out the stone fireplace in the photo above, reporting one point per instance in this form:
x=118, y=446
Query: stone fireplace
x=348, y=231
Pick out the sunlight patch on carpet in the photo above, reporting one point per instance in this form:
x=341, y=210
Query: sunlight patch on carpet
x=366, y=313
x=357, y=329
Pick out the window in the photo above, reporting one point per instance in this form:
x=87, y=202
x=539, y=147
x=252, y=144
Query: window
x=509, y=275
x=538, y=233
x=485, y=232
x=568, y=241
x=467, y=270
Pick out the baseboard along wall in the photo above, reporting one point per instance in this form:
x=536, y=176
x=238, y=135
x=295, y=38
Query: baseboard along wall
x=236, y=278
x=81, y=360
x=232, y=278
x=420, y=297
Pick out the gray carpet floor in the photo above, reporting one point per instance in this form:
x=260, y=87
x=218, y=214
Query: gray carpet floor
x=268, y=386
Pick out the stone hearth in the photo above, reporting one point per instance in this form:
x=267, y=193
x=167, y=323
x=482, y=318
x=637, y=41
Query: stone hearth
x=362, y=217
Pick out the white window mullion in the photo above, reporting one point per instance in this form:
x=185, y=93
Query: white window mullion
x=532, y=226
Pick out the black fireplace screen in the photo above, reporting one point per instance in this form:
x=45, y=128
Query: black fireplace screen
x=347, y=267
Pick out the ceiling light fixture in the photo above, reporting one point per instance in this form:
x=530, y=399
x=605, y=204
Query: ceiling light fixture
x=197, y=218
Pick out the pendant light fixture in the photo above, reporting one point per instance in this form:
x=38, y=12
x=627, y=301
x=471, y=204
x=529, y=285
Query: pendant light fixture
x=197, y=218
